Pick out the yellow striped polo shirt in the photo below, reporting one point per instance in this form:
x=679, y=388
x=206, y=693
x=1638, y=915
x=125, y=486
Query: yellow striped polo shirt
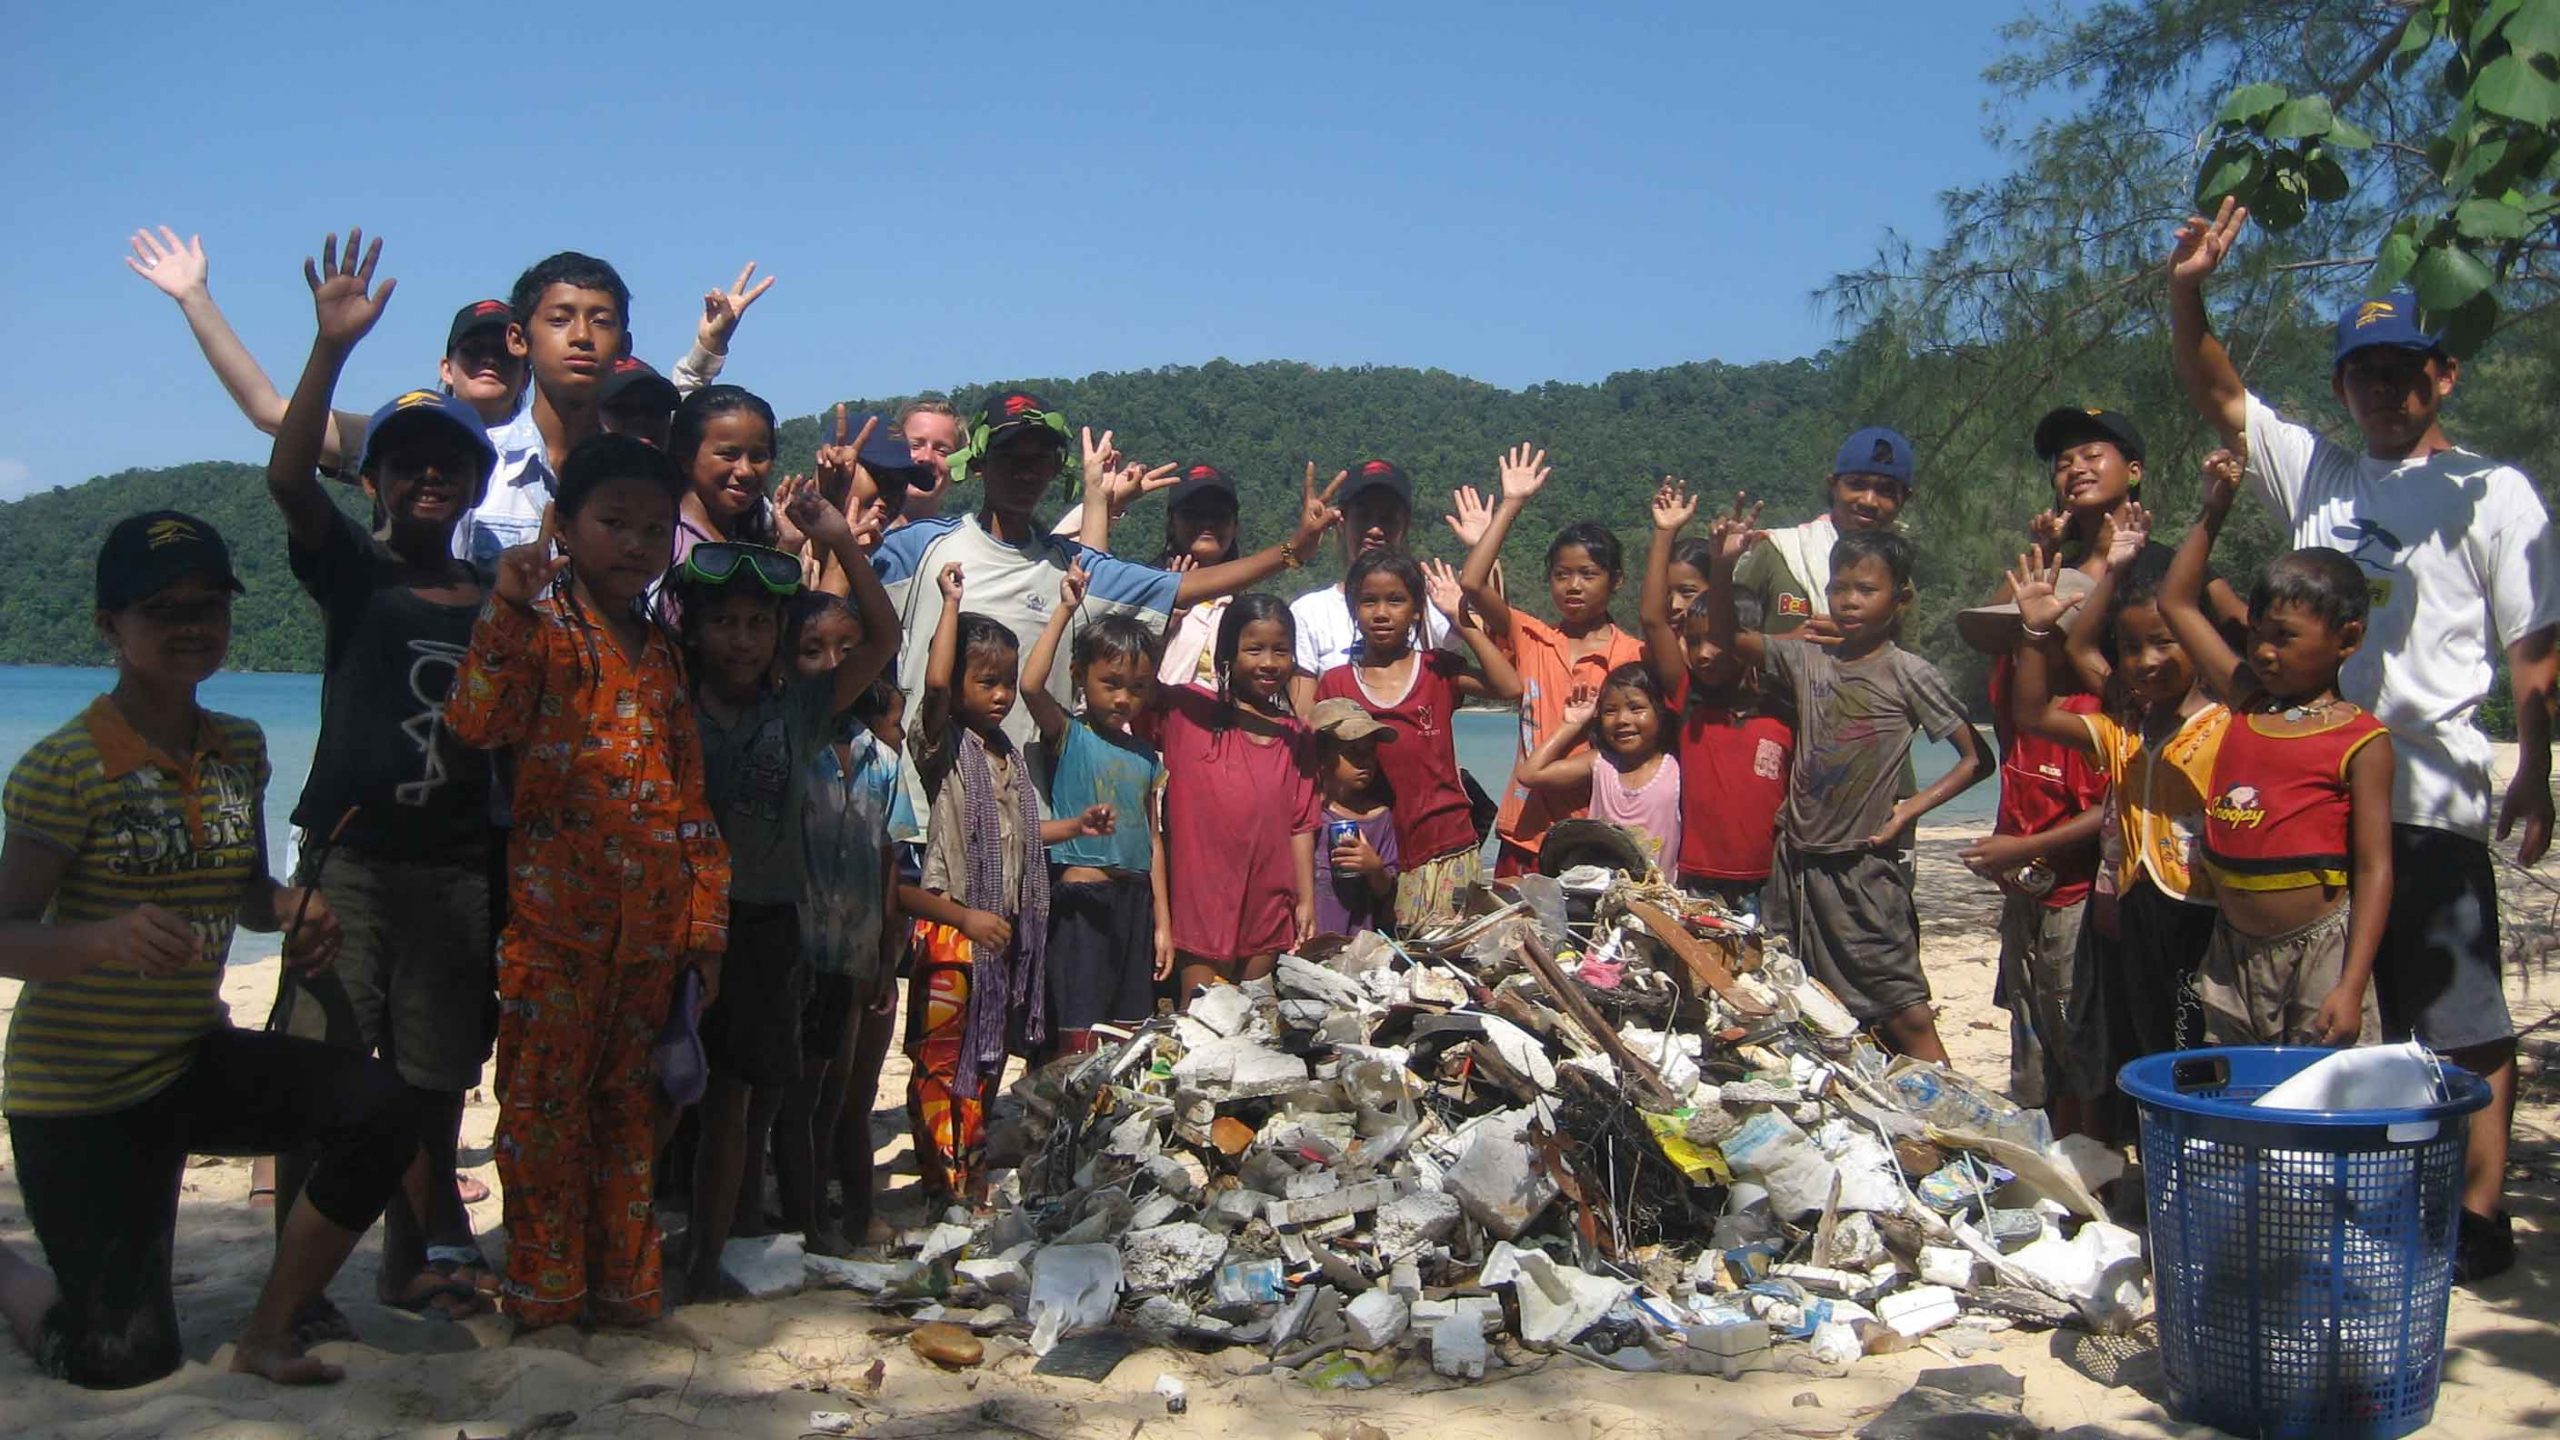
x=138, y=825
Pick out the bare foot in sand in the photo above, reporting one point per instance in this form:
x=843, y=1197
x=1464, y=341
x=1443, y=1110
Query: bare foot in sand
x=827, y=1240
x=282, y=1362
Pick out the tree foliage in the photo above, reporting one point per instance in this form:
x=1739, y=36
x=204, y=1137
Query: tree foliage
x=2476, y=184
x=1768, y=428
x=2048, y=286
x=50, y=542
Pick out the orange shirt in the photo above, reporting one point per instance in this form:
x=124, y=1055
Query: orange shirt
x=1549, y=675
x=612, y=830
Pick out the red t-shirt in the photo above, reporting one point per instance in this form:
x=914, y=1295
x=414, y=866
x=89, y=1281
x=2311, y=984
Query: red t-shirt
x=1232, y=805
x=1733, y=779
x=1420, y=763
x=2044, y=782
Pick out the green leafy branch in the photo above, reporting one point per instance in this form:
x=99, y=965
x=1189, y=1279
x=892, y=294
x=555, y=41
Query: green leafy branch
x=2496, y=162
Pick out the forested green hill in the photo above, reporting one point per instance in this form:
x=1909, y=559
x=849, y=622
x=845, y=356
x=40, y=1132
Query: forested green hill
x=1766, y=428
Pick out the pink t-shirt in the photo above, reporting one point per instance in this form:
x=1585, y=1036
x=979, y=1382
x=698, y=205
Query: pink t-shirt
x=1232, y=803
x=1650, y=810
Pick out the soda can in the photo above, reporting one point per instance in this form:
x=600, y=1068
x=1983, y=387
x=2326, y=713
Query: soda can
x=1337, y=831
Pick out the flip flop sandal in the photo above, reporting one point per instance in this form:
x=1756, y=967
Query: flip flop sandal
x=427, y=1301
x=472, y=1190
x=475, y=1277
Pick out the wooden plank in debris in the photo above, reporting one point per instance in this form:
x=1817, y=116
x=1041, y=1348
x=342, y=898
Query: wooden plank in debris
x=1567, y=994
x=1704, y=964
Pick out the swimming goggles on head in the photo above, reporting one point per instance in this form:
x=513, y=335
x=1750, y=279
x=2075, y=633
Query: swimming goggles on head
x=717, y=562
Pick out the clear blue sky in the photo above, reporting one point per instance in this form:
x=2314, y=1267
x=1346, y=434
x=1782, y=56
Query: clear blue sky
x=1514, y=192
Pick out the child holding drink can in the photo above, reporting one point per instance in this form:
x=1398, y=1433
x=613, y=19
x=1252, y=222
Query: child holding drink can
x=1356, y=856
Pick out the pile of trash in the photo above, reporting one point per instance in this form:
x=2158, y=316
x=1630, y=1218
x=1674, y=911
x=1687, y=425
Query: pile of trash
x=1604, y=1117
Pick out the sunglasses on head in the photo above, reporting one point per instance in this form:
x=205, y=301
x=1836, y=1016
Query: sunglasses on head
x=715, y=562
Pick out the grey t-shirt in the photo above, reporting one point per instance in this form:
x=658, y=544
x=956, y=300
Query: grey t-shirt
x=756, y=774
x=1854, y=728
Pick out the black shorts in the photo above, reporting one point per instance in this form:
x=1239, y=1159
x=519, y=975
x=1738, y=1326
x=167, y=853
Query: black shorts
x=2437, y=976
x=2160, y=942
x=417, y=980
x=101, y=1191
x=751, y=1033
x=1102, y=952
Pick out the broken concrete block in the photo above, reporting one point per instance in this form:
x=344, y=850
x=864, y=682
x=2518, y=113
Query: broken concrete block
x=1757, y=1092
x=1160, y=1317
x=1310, y=1182
x=1496, y=1181
x=1234, y=1209
x=1559, y=1302
x=1406, y=1279
x=1728, y=1339
x=1417, y=1221
x=1295, y=978
x=1377, y=1319
x=1004, y=1277
x=1177, y=1176
x=1458, y=1349
x=1946, y=1265
x=1918, y=1311
x=1224, y=1009
x=1238, y=1068
x=1338, y=1204
x=1168, y=1257
x=768, y=1266
x=941, y=1240
x=1856, y=1243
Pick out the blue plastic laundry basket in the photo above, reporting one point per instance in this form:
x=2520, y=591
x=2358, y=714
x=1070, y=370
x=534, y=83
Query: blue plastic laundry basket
x=2303, y=1257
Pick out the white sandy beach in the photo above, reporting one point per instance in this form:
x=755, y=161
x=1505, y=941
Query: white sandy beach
x=766, y=1366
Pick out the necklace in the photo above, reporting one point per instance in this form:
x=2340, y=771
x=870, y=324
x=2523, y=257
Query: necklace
x=2298, y=713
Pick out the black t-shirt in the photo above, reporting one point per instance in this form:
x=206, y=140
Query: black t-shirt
x=390, y=661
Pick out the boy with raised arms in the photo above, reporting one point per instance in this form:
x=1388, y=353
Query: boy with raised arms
x=2458, y=554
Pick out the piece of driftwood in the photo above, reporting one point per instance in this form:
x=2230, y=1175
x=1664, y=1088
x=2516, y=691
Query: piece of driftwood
x=1703, y=964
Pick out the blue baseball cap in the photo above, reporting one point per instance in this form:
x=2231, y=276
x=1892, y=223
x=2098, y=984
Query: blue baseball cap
x=2389, y=320
x=416, y=409
x=1876, y=450
x=885, y=453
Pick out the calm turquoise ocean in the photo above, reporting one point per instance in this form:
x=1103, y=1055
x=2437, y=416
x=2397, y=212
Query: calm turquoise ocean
x=34, y=699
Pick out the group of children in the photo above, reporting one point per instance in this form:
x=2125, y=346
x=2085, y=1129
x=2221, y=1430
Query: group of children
x=655, y=776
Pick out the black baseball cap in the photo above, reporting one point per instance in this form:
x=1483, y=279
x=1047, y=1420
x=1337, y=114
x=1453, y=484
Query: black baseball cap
x=1008, y=411
x=2069, y=425
x=147, y=553
x=1198, y=480
x=1369, y=475
x=477, y=316
x=630, y=378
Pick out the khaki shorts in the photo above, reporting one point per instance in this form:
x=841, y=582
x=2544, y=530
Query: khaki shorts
x=2037, y=944
x=2267, y=990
